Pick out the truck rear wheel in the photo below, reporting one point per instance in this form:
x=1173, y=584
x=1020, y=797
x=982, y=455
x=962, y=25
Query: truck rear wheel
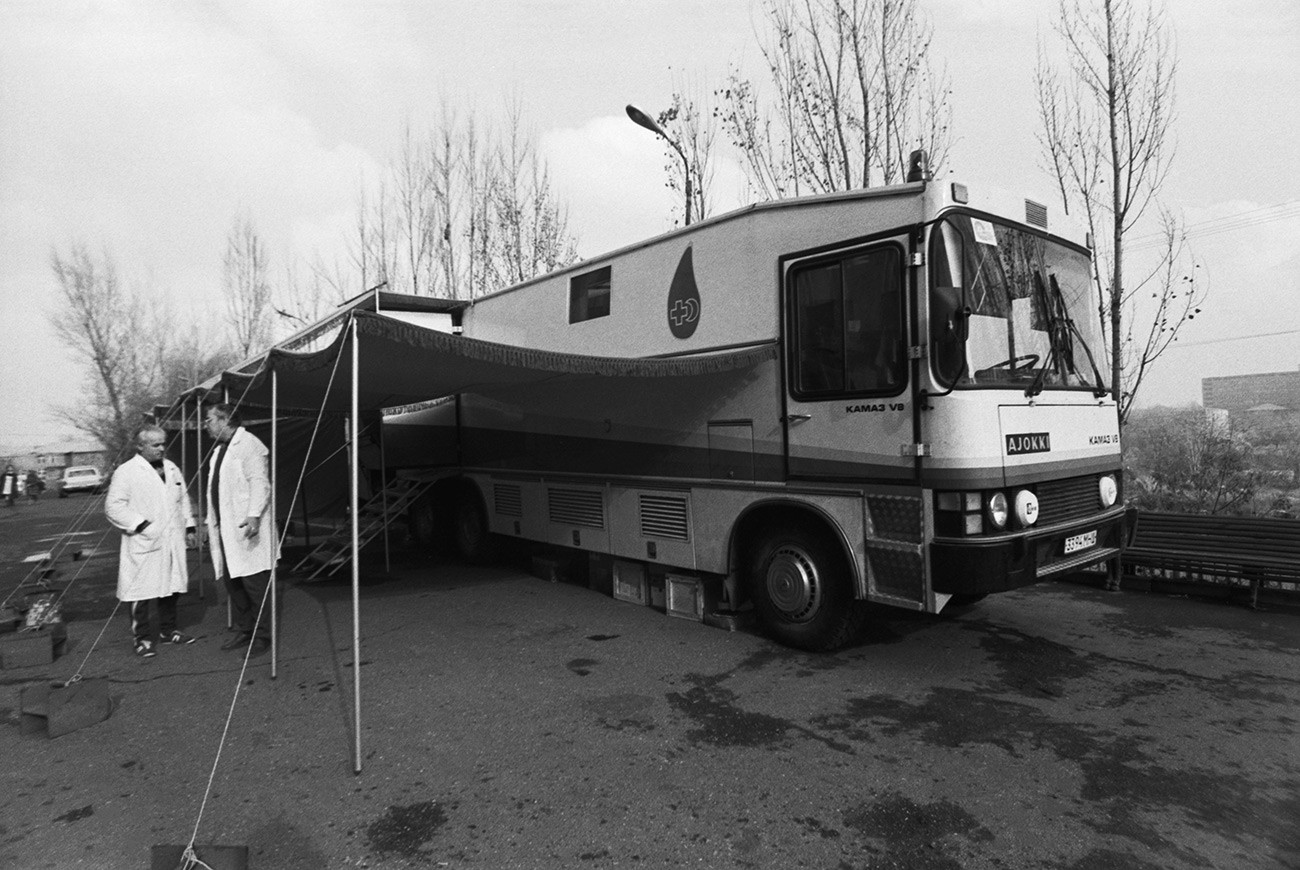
x=800, y=586
x=469, y=526
x=429, y=524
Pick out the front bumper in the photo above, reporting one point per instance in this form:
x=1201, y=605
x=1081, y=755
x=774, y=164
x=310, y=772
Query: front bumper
x=970, y=566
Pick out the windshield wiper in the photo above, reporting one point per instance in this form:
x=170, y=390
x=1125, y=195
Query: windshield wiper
x=1053, y=337
x=1100, y=390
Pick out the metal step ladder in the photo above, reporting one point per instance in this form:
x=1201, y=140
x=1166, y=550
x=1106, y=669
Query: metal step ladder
x=373, y=516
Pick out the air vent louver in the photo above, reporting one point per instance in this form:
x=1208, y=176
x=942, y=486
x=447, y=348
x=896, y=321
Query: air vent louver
x=664, y=517
x=576, y=507
x=1036, y=214
x=507, y=500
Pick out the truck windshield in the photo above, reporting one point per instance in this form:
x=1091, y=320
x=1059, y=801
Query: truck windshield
x=1010, y=308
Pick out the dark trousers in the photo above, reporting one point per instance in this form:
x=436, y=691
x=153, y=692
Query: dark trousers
x=246, y=594
x=153, y=618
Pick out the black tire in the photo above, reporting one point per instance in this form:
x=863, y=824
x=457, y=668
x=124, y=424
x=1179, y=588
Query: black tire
x=469, y=527
x=429, y=525
x=801, y=587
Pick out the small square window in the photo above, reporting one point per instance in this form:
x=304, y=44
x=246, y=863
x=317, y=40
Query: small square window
x=589, y=295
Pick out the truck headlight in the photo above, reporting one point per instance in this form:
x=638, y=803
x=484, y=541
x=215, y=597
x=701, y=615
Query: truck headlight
x=1026, y=508
x=1107, y=489
x=997, y=510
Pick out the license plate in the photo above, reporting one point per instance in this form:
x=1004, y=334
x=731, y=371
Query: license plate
x=1080, y=542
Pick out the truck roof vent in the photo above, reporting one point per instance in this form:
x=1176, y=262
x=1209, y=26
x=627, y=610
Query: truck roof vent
x=1035, y=213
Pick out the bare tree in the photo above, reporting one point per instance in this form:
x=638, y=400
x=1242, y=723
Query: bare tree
x=854, y=93
x=416, y=207
x=300, y=302
x=1177, y=290
x=1181, y=460
x=191, y=357
x=459, y=213
x=1106, y=136
x=691, y=121
x=120, y=336
x=529, y=228
x=248, y=289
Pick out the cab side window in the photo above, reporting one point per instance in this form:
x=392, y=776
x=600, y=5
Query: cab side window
x=847, y=325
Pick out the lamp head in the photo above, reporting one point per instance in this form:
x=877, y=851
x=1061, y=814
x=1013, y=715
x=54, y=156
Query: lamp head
x=642, y=119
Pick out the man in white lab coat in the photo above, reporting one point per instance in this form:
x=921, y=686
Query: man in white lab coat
x=244, y=542
x=148, y=501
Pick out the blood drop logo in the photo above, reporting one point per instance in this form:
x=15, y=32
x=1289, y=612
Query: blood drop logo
x=684, y=299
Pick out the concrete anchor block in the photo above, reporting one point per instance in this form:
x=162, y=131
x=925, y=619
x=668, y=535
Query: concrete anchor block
x=60, y=710
x=216, y=857
x=26, y=649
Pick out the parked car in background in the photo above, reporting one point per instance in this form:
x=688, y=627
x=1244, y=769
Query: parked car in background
x=80, y=478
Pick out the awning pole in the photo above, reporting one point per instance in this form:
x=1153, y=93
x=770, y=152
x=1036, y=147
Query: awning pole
x=230, y=608
x=185, y=462
x=353, y=464
x=383, y=491
x=275, y=529
x=203, y=493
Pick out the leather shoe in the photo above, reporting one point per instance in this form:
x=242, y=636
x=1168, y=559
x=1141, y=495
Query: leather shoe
x=239, y=640
x=259, y=646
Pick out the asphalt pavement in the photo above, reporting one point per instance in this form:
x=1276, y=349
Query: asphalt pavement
x=510, y=722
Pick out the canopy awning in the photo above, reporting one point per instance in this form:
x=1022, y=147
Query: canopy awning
x=404, y=364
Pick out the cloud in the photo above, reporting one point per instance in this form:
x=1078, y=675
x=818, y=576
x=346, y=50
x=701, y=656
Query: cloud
x=612, y=175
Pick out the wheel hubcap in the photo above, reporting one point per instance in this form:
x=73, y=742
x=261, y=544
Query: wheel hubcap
x=792, y=584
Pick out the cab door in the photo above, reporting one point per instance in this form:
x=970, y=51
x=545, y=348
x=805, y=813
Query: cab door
x=848, y=411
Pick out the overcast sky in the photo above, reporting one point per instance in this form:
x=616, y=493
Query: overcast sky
x=144, y=127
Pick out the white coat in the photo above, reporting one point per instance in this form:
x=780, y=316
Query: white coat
x=245, y=491
x=150, y=564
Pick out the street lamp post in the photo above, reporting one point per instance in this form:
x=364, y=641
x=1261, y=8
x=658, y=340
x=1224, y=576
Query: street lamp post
x=641, y=118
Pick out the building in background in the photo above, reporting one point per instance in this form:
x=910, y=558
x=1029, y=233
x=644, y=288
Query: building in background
x=1271, y=395
x=49, y=460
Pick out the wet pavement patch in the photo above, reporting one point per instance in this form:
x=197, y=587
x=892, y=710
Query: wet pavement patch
x=759, y=660
x=403, y=830
x=1031, y=665
x=815, y=826
x=720, y=722
x=600, y=637
x=1108, y=859
x=77, y=815
x=623, y=712
x=581, y=667
x=1130, y=792
x=914, y=834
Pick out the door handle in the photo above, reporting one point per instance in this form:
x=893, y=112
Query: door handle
x=796, y=418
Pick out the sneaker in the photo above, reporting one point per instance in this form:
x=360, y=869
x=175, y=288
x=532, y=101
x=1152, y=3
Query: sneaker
x=177, y=637
x=144, y=649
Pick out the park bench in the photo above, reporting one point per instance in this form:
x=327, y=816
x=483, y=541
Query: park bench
x=1232, y=551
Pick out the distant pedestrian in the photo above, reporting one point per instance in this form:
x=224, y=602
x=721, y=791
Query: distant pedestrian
x=147, y=500
x=9, y=486
x=240, y=526
x=35, y=486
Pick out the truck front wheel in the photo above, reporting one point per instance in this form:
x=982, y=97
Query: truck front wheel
x=801, y=588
